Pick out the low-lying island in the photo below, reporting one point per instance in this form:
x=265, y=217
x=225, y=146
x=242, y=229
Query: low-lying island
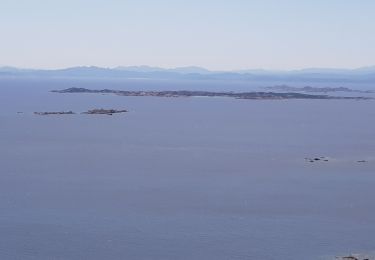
x=96, y=111
x=195, y=93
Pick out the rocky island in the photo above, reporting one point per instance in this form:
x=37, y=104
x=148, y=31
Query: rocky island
x=96, y=111
x=102, y=111
x=315, y=89
x=54, y=113
x=193, y=93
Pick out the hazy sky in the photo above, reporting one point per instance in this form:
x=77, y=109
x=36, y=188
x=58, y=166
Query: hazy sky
x=217, y=34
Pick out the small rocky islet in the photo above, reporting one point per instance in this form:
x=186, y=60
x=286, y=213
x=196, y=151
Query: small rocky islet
x=353, y=257
x=323, y=159
x=97, y=111
x=54, y=113
x=102, y=111
x=317, y=159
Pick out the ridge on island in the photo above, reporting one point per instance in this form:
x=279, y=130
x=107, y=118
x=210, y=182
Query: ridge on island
x=194, y=93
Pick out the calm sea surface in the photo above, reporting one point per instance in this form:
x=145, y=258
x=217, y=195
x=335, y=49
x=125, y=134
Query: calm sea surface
x=182, y=178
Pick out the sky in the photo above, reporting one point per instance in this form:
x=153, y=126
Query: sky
x=216, y=34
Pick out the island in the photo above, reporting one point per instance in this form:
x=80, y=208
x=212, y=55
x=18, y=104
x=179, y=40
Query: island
x=102, y=111
x=54, y=113
x=194, y=93
x=96, y=111
x=315, y=89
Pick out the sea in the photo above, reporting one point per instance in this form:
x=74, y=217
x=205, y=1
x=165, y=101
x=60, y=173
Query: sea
x=183, y=178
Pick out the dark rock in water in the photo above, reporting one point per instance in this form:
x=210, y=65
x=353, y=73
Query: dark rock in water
x=362, y=161
x=317, y=159
x=354, y=257
x=349, y=258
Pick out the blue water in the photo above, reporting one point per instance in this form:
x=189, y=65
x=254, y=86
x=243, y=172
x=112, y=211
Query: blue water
x=182, y=178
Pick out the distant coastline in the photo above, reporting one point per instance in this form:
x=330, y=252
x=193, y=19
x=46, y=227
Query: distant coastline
x=365, y=75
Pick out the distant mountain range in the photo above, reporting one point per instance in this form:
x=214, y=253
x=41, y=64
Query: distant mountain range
x=182, y=70
x=365, y=74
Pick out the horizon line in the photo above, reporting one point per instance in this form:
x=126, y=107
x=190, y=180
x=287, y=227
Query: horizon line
x=186, y=67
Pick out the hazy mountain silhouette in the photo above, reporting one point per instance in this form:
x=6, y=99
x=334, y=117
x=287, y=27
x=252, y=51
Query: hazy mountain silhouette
x=365, y=74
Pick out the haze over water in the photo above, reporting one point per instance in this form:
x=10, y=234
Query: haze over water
x=183, y=178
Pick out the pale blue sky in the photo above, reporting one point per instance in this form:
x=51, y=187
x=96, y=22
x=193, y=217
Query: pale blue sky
x=217, y=34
